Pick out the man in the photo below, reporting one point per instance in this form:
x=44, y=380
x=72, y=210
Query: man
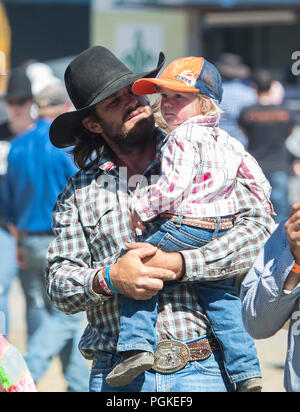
x=37, y=173
x=293, y=147
x=237, y=93
x=18, y=102
x=271, y=293
x=267, y=125
x=117, y=145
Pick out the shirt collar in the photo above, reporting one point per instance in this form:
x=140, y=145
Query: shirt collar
x=208, y=121
x=106, y=163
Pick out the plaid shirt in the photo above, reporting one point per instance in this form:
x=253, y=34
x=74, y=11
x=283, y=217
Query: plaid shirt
x=200, y=166
x=91, y=223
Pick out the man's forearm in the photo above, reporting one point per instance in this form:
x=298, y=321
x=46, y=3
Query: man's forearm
x=292, y=281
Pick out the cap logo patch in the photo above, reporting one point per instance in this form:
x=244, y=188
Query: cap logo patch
x=187, y=77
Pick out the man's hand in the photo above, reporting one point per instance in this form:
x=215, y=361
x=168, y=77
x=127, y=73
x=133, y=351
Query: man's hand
x=292, y=227
x=132, y=278
x=169, y=260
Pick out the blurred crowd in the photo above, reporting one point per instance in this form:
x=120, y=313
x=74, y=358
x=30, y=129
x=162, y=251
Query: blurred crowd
x=33, y=173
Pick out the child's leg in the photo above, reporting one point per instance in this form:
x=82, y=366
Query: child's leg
x=137, y=325
x=137, y=339
x=222, y=305
x=138, y=318
x=220, y=301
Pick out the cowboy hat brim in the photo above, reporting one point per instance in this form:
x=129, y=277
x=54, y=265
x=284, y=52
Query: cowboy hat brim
x=62, y=128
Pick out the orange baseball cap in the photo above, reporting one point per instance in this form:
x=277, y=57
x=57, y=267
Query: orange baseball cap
x=187, y=74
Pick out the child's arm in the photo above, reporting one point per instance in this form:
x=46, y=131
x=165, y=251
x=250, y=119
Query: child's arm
x=178, y=169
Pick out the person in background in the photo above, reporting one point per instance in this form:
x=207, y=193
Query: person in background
x=37, y=173
x=41, y=76
x=267, y=125
x=18, y=102
x=293, y=148
x=270, y=293
x=3, y=109
x=238, y=93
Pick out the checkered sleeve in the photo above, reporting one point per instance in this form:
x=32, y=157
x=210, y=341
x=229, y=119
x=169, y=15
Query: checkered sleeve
x=233, y=253
x=69, y=273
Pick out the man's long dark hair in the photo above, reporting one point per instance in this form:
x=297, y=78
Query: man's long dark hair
x=89, y=146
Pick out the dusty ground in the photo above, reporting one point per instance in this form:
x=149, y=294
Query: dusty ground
x=271, y=352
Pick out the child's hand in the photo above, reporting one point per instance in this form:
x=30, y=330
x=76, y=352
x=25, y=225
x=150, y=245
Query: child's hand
x=136, y=222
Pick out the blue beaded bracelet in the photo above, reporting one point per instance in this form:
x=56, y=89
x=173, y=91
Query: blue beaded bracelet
x=108, y=280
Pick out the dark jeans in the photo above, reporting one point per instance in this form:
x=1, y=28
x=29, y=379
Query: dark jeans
x=219, y=299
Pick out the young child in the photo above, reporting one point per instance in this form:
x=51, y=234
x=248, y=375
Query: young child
x=192, y=203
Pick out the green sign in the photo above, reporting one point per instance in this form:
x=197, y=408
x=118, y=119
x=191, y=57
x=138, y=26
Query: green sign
x=138, y=58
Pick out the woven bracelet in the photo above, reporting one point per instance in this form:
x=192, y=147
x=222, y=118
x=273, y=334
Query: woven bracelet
x=103, y=283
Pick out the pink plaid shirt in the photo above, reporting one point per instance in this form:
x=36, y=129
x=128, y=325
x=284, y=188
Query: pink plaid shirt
x=201, y=164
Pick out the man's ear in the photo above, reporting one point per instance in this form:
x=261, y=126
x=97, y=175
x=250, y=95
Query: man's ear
x=92, y=125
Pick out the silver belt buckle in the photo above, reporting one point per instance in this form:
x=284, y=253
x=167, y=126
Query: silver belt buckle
x=170, y=356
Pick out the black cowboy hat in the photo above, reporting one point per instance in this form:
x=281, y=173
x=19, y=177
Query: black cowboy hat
x=90, y=78
x=19, y=85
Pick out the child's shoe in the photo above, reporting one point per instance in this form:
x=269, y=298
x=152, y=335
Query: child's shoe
x=249, y=385
x=132, y=364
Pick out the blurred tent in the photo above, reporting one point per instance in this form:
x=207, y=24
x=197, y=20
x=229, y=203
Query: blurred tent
x=5, y=46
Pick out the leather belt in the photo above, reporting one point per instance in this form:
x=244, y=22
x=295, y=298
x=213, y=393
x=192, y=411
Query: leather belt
x=203, y=223
x=171, y=355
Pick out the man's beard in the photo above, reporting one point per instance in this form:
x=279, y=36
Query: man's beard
x=136, y=137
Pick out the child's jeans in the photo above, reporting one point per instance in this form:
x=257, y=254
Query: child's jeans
x=219, y=299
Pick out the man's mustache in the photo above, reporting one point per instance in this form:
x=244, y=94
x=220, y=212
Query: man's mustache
x=129, y=112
